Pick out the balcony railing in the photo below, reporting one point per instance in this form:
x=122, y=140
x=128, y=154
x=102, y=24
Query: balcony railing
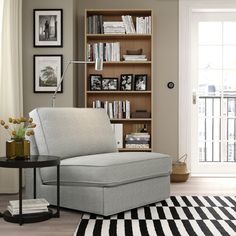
x=217, y=129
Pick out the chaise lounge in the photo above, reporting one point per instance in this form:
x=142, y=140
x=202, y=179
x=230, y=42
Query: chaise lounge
x=94, y=177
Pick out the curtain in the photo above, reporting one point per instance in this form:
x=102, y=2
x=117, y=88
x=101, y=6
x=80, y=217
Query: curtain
x=11, y=87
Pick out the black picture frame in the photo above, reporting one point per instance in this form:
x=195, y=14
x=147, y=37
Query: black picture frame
x=52, y=19
x=95, y=82
x=110, y=84
x=47, y=73
x=140, y=82
x=126, y=82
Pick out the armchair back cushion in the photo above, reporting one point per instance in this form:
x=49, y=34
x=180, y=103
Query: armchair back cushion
x=71, y=132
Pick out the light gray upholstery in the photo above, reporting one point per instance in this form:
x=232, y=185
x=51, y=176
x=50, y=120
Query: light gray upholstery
x=109, y=169
x=70, y=132
x=94, y=176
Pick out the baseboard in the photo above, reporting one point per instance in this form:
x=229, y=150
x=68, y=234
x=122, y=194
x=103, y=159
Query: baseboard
x=213, y=175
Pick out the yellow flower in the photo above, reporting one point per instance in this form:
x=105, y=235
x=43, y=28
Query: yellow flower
x=2, y=122
x=30, y=120
x=18, y=121
x=13, y=132
x=14, y=121
x=28, y=133
x=6, y=126
x=33, y=125
x=31, y=132
x=23, y=119
x=10, y=120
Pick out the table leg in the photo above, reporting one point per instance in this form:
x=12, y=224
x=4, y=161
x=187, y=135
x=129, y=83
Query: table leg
x=20, y=197
x=58, y=191
x=34, y=183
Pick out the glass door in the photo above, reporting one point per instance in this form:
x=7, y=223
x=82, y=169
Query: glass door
x=214, y=93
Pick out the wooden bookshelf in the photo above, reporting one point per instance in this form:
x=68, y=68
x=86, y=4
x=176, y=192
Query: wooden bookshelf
x=139, y=100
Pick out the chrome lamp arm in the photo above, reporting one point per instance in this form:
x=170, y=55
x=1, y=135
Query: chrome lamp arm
x=98, y=67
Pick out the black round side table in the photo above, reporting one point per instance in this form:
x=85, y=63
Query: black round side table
x=34, y=162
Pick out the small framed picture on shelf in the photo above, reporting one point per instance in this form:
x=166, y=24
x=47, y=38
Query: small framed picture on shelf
x=47, y=73
x=95, y=82
x=48, y=28
x=110, y=84
x=140, y=83
x=126, y=81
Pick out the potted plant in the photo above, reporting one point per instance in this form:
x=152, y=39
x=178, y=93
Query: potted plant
x=18, y=128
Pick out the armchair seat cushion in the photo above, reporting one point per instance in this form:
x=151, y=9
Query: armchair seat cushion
x=109, y=169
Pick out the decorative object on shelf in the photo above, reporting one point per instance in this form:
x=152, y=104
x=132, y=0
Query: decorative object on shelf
x=18, y=147
x=110, y=84
x=98, y=67
x=118, y=130
x=126, y=81
x=140, y=83
x=95, y=82
x=141, y=114
x=180, y=172
x=47, y=73
x=134, y=51
x=48, y=28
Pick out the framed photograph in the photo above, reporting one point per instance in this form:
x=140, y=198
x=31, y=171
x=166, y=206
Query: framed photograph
x=140, y=82
x=110, y=84
x=126, y=81
x=47, y=73
x=95, y=82
x=48, y=28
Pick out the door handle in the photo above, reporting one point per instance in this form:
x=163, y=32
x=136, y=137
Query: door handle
x=194, y=97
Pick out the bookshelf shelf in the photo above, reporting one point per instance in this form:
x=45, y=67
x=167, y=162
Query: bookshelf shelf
x=122, y=63
x=96, y=42
x=119, y=92
x=117, y=36
x=135, y=149
x=132, y=119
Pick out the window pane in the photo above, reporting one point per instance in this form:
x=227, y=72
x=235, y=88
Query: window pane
x=231, y=107
x=229, y=57
x=210, y=33
x=229, y=30
x=210, y=57
x=209, y=82
x=229, y=82
x=201, y=129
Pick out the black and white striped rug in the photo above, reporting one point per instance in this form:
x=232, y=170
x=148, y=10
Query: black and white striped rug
x=177, y=216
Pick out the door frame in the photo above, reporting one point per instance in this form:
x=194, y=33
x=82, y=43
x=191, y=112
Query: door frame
x=186, y=10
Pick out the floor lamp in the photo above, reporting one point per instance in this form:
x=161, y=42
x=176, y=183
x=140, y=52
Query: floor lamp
x=98, y=67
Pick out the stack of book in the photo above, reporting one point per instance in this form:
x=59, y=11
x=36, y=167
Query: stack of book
x=114, y=27
x=129, y=24
x=105, y=51
x=143, y=25
x=29, y=206
x=137, y=140
x=115, y=109
x=95, y=24
x=135, y=57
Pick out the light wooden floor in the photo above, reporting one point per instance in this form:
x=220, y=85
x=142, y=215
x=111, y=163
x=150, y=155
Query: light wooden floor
x=67, y=223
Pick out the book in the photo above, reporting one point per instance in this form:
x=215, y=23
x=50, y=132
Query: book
x=29, y=203
x=29, y=206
